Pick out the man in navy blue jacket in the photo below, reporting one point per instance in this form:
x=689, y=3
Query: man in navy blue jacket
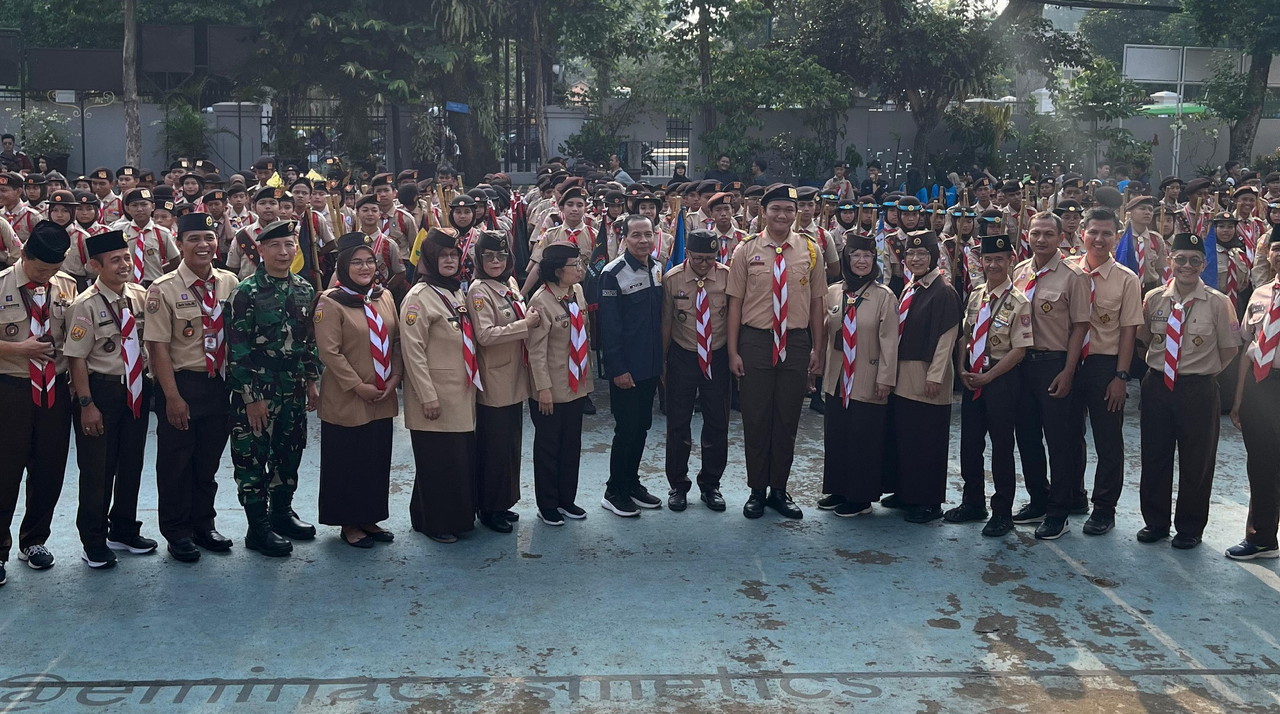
x=631, y=330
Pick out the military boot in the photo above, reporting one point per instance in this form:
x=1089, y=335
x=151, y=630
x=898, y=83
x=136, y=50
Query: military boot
x=284, y=521
x=260, y=536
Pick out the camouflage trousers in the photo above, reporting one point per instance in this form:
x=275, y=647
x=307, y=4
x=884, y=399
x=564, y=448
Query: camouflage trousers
x=268, y=462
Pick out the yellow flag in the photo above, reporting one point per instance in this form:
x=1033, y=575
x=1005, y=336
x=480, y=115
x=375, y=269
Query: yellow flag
x=275, y=181
x=311, y=174
x=416, y=254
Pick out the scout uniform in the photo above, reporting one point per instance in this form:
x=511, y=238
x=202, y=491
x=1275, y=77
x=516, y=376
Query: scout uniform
x=1187, y=332
x=272, y=359
x=242, y=256
x=21, y=217
x=151, y=247
x=37, y=433
x=10, y=246
x=1148, y=255
x=997, y=322
x=77, y=262
x=397, y=223
x=105, y=339
x=1115, y=303
x=1260, y=390
x=1261, y=273
x=862, y=334
x=498, y=311
x=112, y=207
x=580, y=235
x=774, y=346
x=695, y=329
x=189, y=315
x=1059, y=297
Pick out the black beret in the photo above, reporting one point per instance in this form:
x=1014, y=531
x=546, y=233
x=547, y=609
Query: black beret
x=560, y=251
x=278, y=229
x=366, y=200
x=1169, y=181
x=996, y=243
x=267, y=192
x=443, y=237
x=492, y=240
x=407, y=175
x=702, y=241
x=236, y=188
x=195, y=176
x=463, y=200
x=101, y=173
x=195, y=222
x=859, y=241
x=754, y=191
x=779, y=192
x=1072, y=181
x=86, y=198
x=1068, y=206
x=1226, y=217
x=806, y=193
x=348, y=241
x=380, y=180
x=215, y=195
x=708, y=186
x=572, y=192
x=720, y=199
x=48, y=242
x=1187, y=241
x=615, y=198
x=105, y=243
x=1198, y=184
x=126, y=171
x=264, y=163
x=138, y=194
x=922, y=239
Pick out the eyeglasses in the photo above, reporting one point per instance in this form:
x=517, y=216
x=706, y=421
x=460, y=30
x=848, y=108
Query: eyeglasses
x=1192, y=260
x=371, y=263
x=573, y=264
x=701, y=258
x=918, y=253
x=495, y=257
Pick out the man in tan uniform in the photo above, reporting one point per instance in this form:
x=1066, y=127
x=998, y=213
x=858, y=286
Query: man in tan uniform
x=152, y=251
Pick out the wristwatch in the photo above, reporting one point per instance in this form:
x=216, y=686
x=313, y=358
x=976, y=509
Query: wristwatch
x=1121, y=374
x=85, y=401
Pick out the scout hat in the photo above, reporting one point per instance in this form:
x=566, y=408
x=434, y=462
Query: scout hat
x=702, y=241
x=996, y=243
x=1187, y=241
x=105, y=243
x=268, y=193
x=779, y=192
x=195, y=222
x=277, y=229
x=352, y=240
x=48, y=242
x=138, y=194
x=63, y=197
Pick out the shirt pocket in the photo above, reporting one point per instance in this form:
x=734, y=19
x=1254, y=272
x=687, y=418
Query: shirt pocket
x=1107, y=312
x=11, y=324
x=1055, y=300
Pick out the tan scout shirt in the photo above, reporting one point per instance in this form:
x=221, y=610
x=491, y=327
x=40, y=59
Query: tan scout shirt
x=1261, y=273
x=818, y=235
x=580, y=236
x=400, y=226
x=751, y=279
x=10, y=246
x=549, y=344
x=1060, y=301
x=342, y=340
x=1208, y=325
x=1010, y=319
x=94, y=335
x=877, y=359
x=22, y=219
x=1117, y=303
x=237, y=262
x=913, y=374
x=431, y=346
x=158, y=248
x=502, y=337
x=1157, y=257
x=1255, y=315
x=679, y=309
x=176, y=318
x=15, y=322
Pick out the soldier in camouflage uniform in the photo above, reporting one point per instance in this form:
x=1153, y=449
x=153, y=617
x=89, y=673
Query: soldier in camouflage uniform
x=274, y=368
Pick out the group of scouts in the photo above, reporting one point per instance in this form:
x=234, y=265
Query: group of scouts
x=230, y=309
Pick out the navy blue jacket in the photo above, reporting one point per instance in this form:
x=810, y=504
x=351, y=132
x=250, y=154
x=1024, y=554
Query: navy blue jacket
x=631, y=318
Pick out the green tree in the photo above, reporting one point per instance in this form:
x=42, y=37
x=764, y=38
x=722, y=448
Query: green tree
x=1108, y=31
x=1095, y=96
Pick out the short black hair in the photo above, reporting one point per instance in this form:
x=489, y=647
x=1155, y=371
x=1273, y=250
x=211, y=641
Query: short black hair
x=724, y=156
x=547, y=269
x=1230, y=165
x=764, y=165
x=1100, y=213
x=8, y=136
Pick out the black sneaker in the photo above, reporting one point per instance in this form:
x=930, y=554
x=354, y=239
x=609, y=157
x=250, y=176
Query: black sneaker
x=135, y=544
x=1029, y=514
x=1051, y=528
x=966, y=513
x=849, y=509
x=998, y=526
x=551, y=516
x=828, y=503
x=642, y=498
x=1099, y=524
x=1152, y=535
x=37, y=557
x=620, y=505
x=922, y=514
x=1242, y=551
x=98, y=557
x=892, y=501
x=571, y=510
x=1081, y=508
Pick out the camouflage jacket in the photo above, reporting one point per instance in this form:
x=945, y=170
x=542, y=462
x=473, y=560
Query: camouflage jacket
x=271, y=344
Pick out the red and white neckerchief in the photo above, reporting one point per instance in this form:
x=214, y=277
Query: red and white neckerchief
x=849, y=345
x=468, y=337
x=1030, y=289
x=379, y=343
x=1249, y=230
x=1093, y=295
x=379, y=244
x=1173, y=341
x=702, y=325
x=779, y=306
x=130, y=353
x=572, y=234
x=1233, y=279
x=979, y=356
x=577, y=342
x=904, y=306
x=725, y=246
x=139, y=238
x=1263, y=351
x=43, y=372
x=215, y=346
x=517, y=307
x=1140, y=253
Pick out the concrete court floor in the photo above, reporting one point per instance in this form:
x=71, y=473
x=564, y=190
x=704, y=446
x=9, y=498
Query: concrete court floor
x=671, y=612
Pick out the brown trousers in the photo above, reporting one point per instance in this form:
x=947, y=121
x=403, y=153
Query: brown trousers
x=772, y=397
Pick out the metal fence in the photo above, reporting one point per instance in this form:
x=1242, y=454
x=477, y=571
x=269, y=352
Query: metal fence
x=661, y=160
x=311, y=128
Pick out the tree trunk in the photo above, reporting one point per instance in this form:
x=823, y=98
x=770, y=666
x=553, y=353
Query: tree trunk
x=927, y=117
x=535, y=75
x=132, y=124
x=704, y=72
x=1246, y=130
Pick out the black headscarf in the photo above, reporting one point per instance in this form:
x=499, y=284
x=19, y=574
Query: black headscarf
x=495, y=241
x=429, y=265
x=372, y=291
x=853, y=283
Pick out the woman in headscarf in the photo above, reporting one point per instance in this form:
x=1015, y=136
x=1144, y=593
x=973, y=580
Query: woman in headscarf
x=929, y=316
x=356, y=330
x=441, y=380
x=862, y=366
x=502, y=327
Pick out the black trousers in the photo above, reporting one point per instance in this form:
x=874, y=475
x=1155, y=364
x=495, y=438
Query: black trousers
x=110, y=464
x=994, y=414
x=1088, y=395
x=187, y=461
x=557, y=453
x=853, y=448
x=1188, y=419
x=35, y=440
x=772, y=397
x=685, y=385
x=499, y=431
x=1046, y=420
x=924, y=436
x=632, y=416
x=1260, y=426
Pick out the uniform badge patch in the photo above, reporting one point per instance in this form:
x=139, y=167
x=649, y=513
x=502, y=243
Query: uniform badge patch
x=77, y=332
x=1198, y=341
x=995, y=340
x=189, y=332
x=478, y=303
x=411, y=315
x=153, y=305
x=1046, y=308
x=10, y=330
x=1105, y=319
x=109, y=347
x=1026, y=321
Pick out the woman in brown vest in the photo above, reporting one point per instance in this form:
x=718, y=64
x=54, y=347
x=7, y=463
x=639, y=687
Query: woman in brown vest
x=356, y=335
x=502, y=327
x=441, y=380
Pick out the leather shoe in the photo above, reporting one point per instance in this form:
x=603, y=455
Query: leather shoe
x=998, y=526
x=381, y=536
x=779, y=501
x=677, y=500
x=511, y=516
x=923, y=514
x=1185, y=542
x=754, y=507
x=892, y=501
x=713, y=499
x=212, y=540
x=496, y=522
x=1152, y=535
x=965, y=513
x=184, y=550
x=1098, y=524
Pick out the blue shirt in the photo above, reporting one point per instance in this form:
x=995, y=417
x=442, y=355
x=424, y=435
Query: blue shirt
x=631, y=318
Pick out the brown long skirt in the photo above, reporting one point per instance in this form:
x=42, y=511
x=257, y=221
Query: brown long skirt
x=355, y=473
x=444, y=484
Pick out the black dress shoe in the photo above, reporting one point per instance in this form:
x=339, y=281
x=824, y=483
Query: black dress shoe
x=212, y=540
x=998, y=526
x=892, y=501
x=184, y=550
x=754, y=507
x=1098, y=524
x=677, y=500
x=1152, y=535
x=966, y=513
x=364, y=541
x=923, y=514
x=781, y=502
x=511, y=516
x=382, y=536
x=1185, y=542
x=495, y=522
x=713, y=499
